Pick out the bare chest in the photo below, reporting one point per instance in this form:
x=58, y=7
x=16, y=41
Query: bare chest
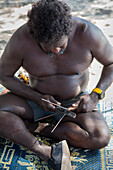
x=74, y=61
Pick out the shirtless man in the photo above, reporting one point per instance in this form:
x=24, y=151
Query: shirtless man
x=56, y=50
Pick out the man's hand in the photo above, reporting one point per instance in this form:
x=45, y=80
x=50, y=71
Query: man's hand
x=86, y=103
x=48, y=106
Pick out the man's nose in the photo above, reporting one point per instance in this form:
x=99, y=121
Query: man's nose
x=56, y=50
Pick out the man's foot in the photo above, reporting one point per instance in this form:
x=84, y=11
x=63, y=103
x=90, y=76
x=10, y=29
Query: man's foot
x=60, y=157
x=35, y=127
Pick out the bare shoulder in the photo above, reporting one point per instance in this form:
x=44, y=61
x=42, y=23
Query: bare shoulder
x=13, y=54
x=17, y=41
x=80, y=23
x=86, y=29
x=94, y=40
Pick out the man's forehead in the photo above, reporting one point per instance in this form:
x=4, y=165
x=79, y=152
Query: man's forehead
x=59, y=42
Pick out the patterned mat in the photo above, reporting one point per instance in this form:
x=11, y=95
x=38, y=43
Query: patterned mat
x=15, y=157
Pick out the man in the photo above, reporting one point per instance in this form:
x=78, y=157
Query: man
x=56, y=50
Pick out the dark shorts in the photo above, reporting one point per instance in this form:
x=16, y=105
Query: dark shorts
x=40, y=113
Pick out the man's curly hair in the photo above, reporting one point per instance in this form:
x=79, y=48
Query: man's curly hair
x=49, y=20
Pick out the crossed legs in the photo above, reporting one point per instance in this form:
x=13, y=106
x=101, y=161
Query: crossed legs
x=87, y=130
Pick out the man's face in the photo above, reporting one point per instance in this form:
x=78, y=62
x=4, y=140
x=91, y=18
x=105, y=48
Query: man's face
x=57, y=48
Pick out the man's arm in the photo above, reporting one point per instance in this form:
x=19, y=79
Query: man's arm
x=10, y=62
x=103, y=52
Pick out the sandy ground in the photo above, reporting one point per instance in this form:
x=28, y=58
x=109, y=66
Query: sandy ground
x=100, y=13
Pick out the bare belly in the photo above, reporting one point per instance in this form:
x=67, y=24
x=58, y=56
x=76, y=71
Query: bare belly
x=60, y=86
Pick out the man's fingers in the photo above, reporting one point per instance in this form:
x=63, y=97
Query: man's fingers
x=75, y=105
x=58, y=103
x=79, y=108
x=55, y=101
x=72, y=108
x=50, y=107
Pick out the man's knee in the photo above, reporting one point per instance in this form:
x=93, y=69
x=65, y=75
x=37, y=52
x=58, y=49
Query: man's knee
x=96, y=139
x=105, y=138
x=100, y=139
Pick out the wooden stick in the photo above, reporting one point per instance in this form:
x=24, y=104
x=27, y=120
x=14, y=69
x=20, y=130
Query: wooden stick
x=57, y=123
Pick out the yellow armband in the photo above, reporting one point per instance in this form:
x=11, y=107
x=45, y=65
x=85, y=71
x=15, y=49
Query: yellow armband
x=100, y=92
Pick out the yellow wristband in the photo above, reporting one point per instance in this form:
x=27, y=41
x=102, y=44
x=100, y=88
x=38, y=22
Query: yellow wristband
x=97, y=90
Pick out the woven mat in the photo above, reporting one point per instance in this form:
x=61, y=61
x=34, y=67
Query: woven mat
x=15, y=157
